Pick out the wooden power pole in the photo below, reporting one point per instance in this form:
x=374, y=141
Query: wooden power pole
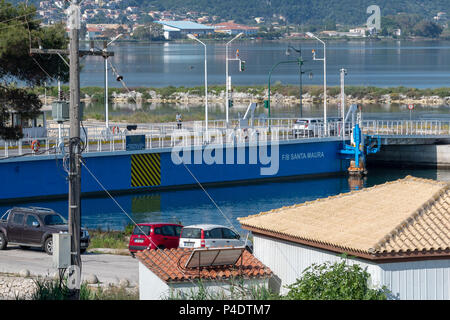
x=74, y=142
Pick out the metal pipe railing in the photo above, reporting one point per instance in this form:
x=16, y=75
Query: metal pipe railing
x=161, y=135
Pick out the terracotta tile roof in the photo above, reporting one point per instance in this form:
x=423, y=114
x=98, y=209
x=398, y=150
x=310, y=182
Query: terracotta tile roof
x=168, y=265
x=234, y=26
x=407, y=215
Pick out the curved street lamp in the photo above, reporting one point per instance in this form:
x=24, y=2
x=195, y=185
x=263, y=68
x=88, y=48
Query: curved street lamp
x=227, y=84
x=105, y=49
x=324, y=59
x=267, y=102
x=192, y=37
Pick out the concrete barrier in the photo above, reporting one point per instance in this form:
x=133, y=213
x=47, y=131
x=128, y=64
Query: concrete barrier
x=420, y=155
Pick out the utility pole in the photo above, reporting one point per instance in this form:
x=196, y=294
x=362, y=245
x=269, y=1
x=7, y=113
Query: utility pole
x=343, y=74
x=74, y=142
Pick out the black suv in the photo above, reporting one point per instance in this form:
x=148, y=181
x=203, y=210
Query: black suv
x=33, y=227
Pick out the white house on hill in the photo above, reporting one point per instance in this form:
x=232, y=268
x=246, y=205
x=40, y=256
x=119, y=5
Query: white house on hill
x=399, y=230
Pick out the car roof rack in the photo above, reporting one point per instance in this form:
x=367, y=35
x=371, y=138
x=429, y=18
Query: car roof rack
x=42, y=209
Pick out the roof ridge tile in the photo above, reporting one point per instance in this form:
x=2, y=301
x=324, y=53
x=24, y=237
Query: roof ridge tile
x=418, y=213
x=346, y=194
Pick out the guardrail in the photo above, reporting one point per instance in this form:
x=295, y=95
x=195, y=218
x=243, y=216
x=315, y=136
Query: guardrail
x=407, y=127
x=167, y=135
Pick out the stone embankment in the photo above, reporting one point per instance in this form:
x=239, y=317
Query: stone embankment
x=276, y=98
x=22, y=286
x=13, y=287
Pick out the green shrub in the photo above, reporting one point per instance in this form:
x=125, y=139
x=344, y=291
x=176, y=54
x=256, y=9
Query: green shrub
x=337, y=281
x=53, y=289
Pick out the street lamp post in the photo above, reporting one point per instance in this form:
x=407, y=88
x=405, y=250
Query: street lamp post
x=191, y=36
x=267, y=102
x=105, y=49
x=227, y=82
x=343, y=74
x=324, y=59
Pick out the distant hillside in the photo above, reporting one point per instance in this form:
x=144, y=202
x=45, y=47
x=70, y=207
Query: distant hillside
x=349, y=12
x=300, y=11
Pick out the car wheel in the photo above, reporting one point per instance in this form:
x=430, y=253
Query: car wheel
x=132, y=255
x=161, y=247
x=48, y=246
x=82, y=250
x=3, y=242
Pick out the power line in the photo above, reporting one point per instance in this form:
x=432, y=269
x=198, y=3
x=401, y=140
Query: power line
x=131, y=219
x=18, y=17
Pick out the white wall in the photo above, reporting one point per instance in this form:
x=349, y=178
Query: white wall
x=424, y=280
x=151, y=287
x=213, y=287
x=288, y=260
x=418, y=280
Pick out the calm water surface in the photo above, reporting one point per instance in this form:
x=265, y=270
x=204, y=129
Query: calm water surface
x=376, y=63
x=193, y=206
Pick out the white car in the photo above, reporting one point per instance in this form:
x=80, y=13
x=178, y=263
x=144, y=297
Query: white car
x=306, y=127
x=211, y=235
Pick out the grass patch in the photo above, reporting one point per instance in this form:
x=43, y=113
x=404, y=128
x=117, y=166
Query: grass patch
x=237, y=290
x=110, y=239
x=53, y=289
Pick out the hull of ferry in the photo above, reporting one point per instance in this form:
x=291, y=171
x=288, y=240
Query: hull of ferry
x=43, y=177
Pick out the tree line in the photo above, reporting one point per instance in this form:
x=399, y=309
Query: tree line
x=20, y=31
x=300, y=12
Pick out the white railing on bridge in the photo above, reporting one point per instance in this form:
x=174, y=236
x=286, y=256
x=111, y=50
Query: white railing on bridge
x=164, y=135
x=406, y=127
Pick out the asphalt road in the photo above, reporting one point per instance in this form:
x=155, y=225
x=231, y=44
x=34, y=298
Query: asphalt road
x=108, y=268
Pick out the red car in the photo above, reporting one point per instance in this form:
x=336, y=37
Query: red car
x=154, y=235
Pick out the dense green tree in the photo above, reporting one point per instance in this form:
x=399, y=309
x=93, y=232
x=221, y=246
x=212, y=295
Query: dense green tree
x=149, y=32
x=411, y=25
x=349, y=12
x=337, y=281
x=427, y=29
x=20, y=31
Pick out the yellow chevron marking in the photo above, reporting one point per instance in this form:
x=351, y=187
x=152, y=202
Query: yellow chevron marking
x=145, y=170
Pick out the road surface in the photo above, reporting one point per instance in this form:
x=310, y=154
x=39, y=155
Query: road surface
x=108, y=268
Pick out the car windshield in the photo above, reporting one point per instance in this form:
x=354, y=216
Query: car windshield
x=191, y=233
x=5, y=216
x=54, y=219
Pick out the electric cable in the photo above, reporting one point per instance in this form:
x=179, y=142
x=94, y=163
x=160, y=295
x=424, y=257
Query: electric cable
x=131, y=219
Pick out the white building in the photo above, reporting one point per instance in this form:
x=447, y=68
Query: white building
x=359, y=32
x=399, y=230
x=169, y=273
x=179, y=29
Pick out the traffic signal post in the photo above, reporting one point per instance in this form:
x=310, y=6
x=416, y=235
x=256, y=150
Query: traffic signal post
x=299, y=61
